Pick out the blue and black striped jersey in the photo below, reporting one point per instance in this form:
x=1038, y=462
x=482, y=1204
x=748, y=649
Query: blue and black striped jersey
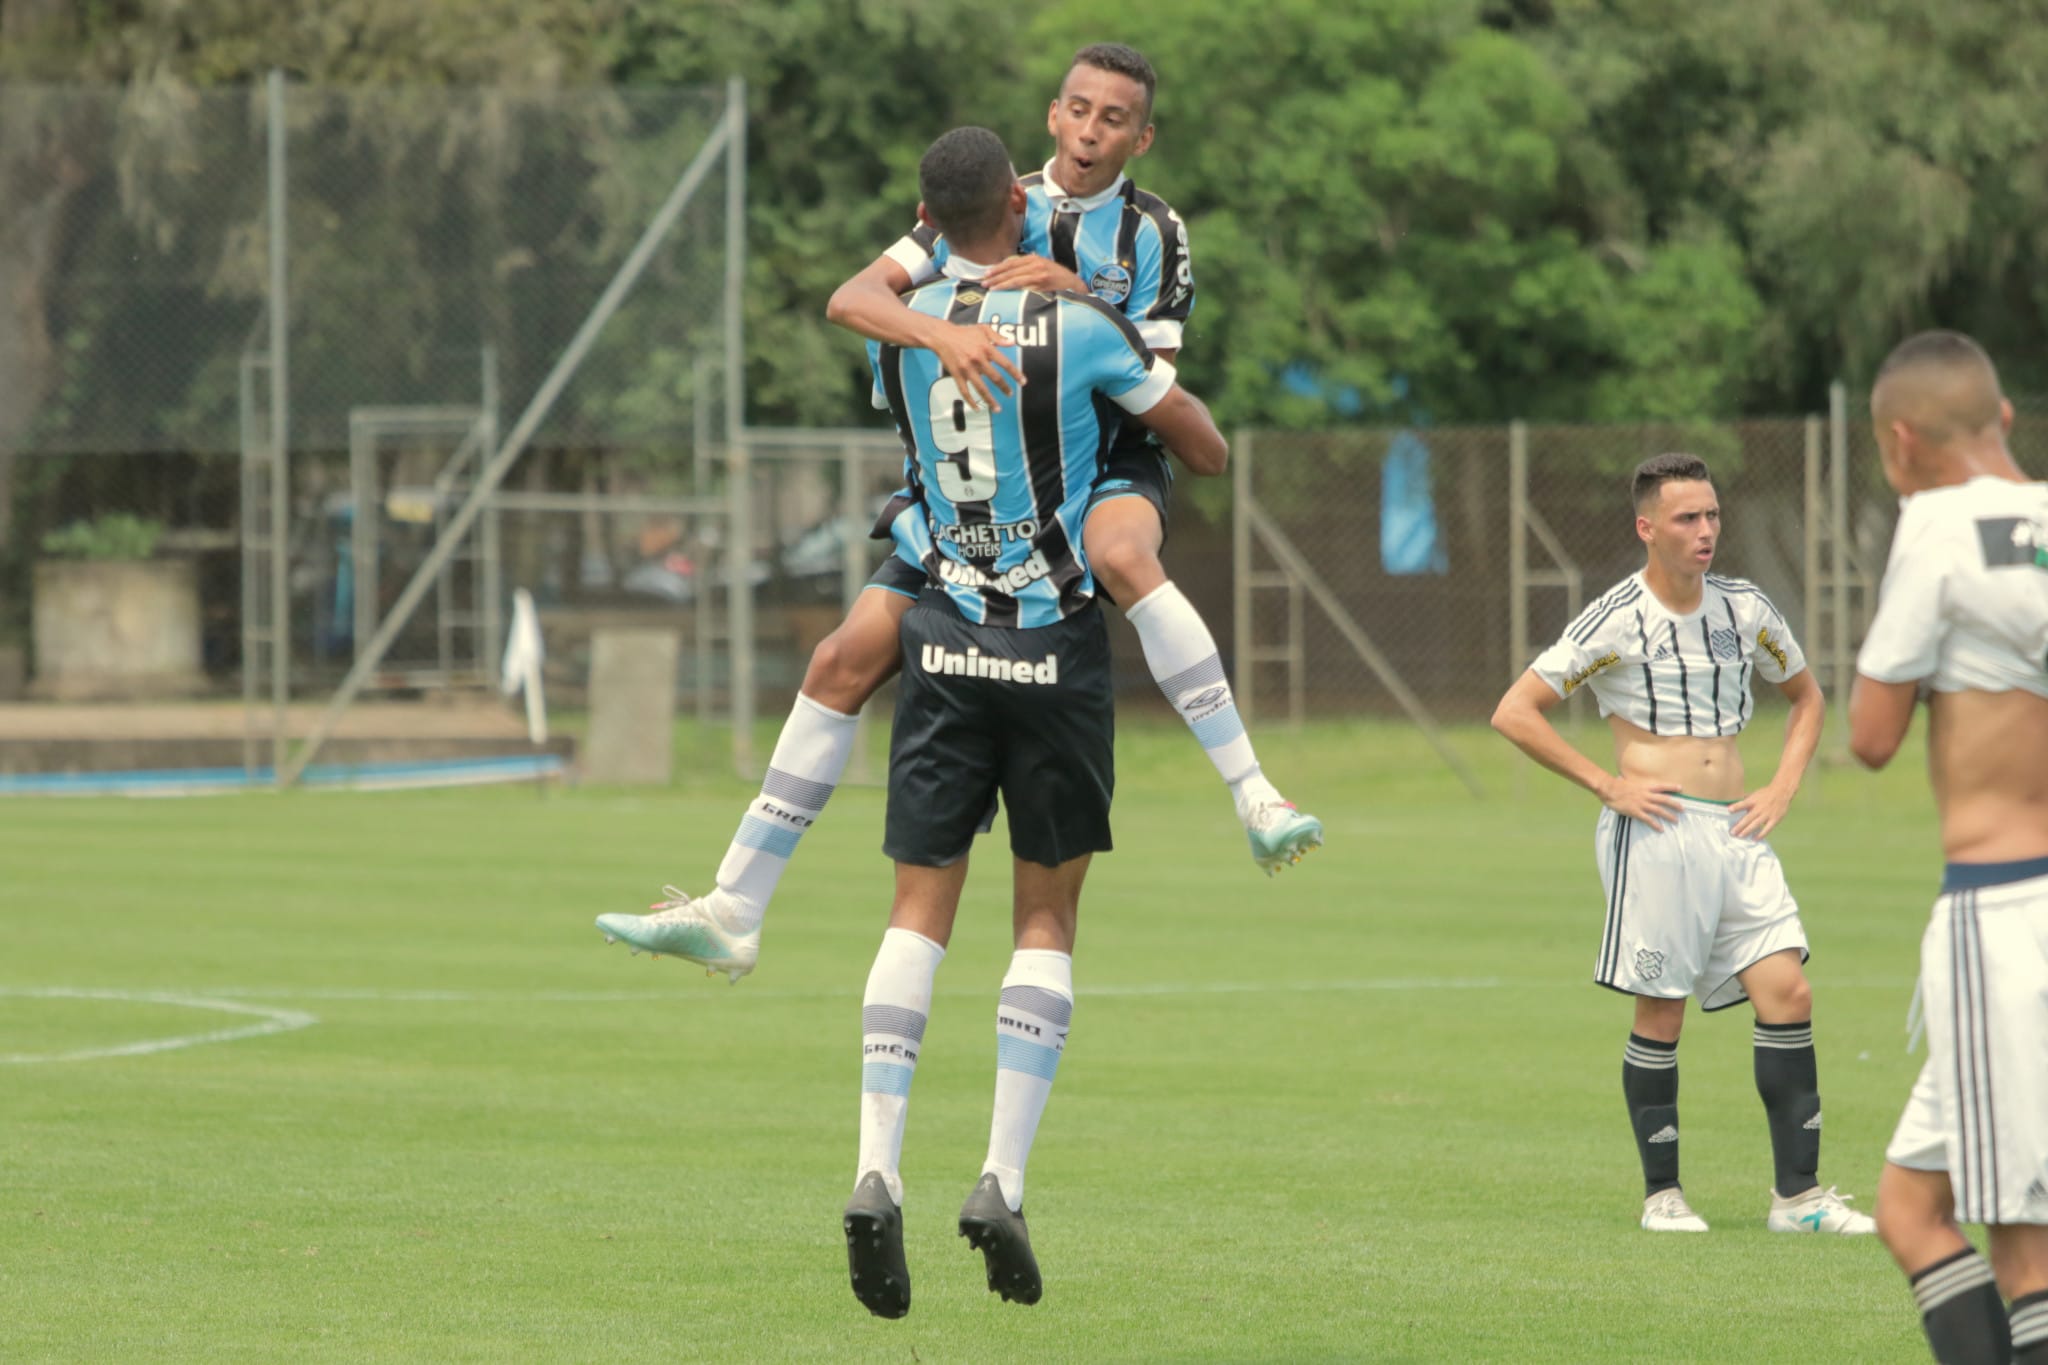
x=999, y=498
x=1128, y=246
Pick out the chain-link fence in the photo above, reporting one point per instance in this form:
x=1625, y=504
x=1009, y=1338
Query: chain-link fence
x=438, y=251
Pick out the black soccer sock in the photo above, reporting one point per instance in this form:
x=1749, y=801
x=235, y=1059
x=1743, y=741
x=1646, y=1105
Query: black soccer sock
x=2030, y=1329
x=1961, y=1311
x=1789, y=1083
x=1649, y=1082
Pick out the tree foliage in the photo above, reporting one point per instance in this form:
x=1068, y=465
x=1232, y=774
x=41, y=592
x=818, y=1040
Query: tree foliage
x=1479, y=208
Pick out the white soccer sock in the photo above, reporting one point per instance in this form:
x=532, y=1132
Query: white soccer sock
x=1031, y=1032
x=1184, y=661
x=809, y=756
x=892, y=1016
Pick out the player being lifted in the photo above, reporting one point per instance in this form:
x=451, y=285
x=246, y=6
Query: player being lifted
x=1963, y=619
x=1696, y=901
x=1006, y=688
x=1086, y=227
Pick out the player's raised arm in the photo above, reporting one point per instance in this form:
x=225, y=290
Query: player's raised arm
x=871, y=304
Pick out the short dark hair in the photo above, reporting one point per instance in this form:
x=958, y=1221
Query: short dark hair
x=963, y=180
x=1941, y=383
x=1935, y=348
x=1652, y=474
x=1122, y=61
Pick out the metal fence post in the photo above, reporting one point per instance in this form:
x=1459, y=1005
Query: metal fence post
x=1518, y=548
x=1241, y=573
x=739, y=469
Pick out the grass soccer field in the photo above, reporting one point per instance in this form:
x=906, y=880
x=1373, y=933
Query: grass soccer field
x=1367, y=1111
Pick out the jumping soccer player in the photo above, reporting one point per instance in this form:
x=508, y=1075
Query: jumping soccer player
x=1090, y=229
x=1006, y=689
x=1696, y=901
x=1963, y=619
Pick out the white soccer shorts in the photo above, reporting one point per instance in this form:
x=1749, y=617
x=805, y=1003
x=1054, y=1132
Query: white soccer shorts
x=1980, y=1108
x=1689, y=906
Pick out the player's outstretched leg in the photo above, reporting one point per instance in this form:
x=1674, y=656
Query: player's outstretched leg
x=722, y=931
x=1185, y=663
x=873, y=1222
x=999, y=1233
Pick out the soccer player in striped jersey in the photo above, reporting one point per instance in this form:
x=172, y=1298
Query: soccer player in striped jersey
x=1963, y=621
x=1082, y=215
x=1006, y=689
x=1696, y=901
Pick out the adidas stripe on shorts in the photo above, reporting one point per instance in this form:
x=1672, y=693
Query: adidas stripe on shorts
x=1689, y=906
x=1980, y=1108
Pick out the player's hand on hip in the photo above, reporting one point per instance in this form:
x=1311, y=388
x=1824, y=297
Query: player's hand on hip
x=1032, y=272
x=1653, y=803
x=972, y=353
x=1761, y=811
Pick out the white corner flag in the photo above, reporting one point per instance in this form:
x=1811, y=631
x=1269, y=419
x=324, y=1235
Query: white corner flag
x=523, y=656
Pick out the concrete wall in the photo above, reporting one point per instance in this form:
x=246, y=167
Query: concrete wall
x=115, y=629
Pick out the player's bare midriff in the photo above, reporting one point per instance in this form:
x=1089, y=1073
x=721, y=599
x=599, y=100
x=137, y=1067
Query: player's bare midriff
x=1708, y=767
x=1987, y=753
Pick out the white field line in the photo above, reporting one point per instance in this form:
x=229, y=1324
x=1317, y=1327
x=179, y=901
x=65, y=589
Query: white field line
x=269, y=1019
x=687, y=990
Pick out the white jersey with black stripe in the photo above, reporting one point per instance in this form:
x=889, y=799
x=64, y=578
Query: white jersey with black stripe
x=1669, y=672
x=1965, y=601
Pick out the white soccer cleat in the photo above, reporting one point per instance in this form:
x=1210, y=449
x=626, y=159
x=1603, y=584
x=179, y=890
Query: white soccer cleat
x=1279, y=834
x=682, y=927
x=1818, y=1210
x=1667, y=1211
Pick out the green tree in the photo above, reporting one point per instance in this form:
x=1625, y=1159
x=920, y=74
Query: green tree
x=1397, y=189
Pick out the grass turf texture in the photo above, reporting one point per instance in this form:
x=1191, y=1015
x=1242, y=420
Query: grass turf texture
x=1369, y=1110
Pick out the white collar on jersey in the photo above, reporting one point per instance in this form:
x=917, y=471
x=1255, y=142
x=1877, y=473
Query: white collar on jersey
x=1062, y=202
x=960, y=268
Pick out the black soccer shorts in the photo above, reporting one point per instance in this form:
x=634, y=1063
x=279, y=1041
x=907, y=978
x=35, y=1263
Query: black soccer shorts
x=983, y=710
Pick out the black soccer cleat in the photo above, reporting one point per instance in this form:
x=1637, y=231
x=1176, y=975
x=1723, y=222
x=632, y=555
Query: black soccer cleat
x=874, y=1248
x=1003, y=1241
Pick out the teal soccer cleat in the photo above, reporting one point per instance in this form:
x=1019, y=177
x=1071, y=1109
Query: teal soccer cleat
x=681, y=927
x=1280, y=835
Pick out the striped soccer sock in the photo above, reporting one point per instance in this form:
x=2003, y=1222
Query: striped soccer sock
x=1649, y=1082
x=1961, y=1312
x=1185, y=663
x=2030, y=1329
x=809, y=756
x=892, y=1017
x=1031, y=1031
x=1787, y=1081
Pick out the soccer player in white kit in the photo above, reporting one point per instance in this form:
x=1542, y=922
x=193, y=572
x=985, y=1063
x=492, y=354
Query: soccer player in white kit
x=1963, y=619
x=1696, y=900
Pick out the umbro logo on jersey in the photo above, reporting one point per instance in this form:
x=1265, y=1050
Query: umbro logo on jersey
x=1812, y=1124
x=975, y=664
x=1668, y=1133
